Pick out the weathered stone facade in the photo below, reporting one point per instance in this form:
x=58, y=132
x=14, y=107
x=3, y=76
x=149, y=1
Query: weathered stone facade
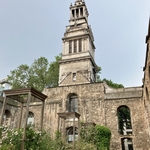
x=95, y=102
x=132, y=98
x=78, y=48
x=90, y=98
x=12, y=108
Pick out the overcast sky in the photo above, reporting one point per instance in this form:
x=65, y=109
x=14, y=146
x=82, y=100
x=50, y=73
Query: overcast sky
x=30, y=29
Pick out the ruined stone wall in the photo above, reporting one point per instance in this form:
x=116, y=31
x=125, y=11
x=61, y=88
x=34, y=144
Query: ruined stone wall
x=99, y=104
x=96, y=103
x=36, y=110
x=90, y=103
x=13, y=109
x=133, y=99
x=139, y=135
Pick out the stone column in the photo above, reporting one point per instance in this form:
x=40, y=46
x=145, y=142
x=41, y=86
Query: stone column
x=72, y=46
x=71, y=14
x=84, y=45
x=67, y=47
x=63, y=46
x=79, y=12
x=75, y=13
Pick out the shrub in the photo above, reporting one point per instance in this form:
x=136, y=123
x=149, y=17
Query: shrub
x=95, y=138
x=12, y=138
x=103, y=136
x=98, y=136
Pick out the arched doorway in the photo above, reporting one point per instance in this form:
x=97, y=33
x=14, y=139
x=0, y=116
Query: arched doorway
x=7, y=118
x=30, y=118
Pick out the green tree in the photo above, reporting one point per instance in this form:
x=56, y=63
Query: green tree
x=103, y=136
x=54, y=72
x=109, y=82
x=99, y=69
x=40, y=74
x=98, y=135
x=112, y=84
x=20, y=77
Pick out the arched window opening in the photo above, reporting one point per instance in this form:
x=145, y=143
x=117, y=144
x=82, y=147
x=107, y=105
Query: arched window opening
x=126, y=144
x=73, y=13
x=70, y=136
x=7, y=118
x=81, y=11
x=73, y=103
x=30, y=118
x=124, y=120
x=77, y=13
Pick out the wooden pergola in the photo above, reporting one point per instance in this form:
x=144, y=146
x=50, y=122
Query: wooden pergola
x=69, y=115
x=24, y=97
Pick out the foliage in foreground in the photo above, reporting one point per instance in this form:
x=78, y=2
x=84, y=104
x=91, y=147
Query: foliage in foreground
x=35, y=140
x=98, y=136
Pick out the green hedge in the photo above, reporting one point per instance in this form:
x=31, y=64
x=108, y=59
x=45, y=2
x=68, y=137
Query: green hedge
x=99, y=136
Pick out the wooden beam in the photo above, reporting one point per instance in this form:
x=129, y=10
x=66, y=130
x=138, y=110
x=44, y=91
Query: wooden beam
x=74, y=132
x=25, y=123
x=42, y=114
x=20, y=117
x=3, y=110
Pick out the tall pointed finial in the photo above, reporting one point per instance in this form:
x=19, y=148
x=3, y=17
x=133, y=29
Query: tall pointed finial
x=148, y=34
x=149, y=27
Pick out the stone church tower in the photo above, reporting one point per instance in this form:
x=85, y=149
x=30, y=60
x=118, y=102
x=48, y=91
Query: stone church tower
x=125, y=111
x=78, y=64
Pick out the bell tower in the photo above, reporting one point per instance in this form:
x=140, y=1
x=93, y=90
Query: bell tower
x=78, y=65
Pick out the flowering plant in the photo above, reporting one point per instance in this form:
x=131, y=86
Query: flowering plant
x=12, y=138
